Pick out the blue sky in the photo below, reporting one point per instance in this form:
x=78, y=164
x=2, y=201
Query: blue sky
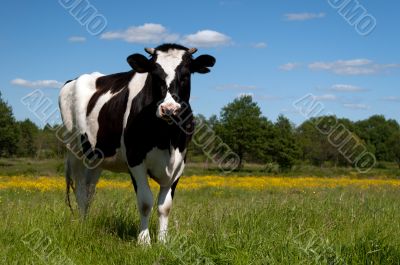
x=277, y=51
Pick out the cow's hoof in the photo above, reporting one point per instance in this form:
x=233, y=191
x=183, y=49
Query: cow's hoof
x=144, y=238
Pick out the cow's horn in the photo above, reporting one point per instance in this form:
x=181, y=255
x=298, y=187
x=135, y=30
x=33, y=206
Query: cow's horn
x=150, y=50
x=192, y=50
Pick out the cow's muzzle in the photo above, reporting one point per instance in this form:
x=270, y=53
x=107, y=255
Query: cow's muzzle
x=167, y=110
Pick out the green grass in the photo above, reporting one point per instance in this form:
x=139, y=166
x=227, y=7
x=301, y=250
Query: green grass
x=208, y=226
x=55, y=167
x=31, y=167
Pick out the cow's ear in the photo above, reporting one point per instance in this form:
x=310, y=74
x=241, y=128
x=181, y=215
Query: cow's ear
x=202, y=63
x=139, y=63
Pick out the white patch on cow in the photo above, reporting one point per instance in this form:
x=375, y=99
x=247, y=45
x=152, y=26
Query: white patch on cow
x=164, y=206
x=169, y=99
x=85, y=87
x=135, y=86
x=74, y=98
x=66, y=100
x=169, y=61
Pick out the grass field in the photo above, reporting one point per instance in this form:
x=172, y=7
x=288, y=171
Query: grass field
x=215, y=220
x=55, y=167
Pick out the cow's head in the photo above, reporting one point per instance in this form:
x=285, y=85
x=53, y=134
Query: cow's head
x=170, y=67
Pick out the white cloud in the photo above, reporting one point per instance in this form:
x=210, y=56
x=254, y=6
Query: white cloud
x=206, y=38
x=151, y=33
x=303, y=16
x=352, y=67
x=356, y=106
x=346, y=88
x=260, y=45
x=327, y=97
x=37, y=84
x=76, y=39
x=392, y=98
x=235, y=87
x=148, y=33
x=289, y=66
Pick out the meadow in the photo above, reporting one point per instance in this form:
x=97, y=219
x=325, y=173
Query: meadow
x=215, y=220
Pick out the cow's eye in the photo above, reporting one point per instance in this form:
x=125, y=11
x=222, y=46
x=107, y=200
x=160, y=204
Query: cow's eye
x=175, y=97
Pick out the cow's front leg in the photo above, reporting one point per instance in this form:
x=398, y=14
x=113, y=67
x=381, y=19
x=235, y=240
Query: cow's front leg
x=144, y=202
x=164, y=207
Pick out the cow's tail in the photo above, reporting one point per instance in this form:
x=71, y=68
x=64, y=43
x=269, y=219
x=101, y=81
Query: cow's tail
x=69, y=183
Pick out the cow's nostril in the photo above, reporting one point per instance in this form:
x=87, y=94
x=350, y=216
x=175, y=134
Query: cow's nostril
x=162, y=110
x=165, y=111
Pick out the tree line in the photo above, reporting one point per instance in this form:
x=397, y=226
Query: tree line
x=252, y=136
x=25, y=138
x=318, y=141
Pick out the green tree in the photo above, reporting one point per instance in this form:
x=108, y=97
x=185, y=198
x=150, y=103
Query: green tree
x=376, y=131
x=27, y=146
x=314, y=144
x=240, y=127
x=326, y=139
x=195, y=148
x=286, y=148
x=394, y=142
x=266, y=143
x=8, y=130
x=49, y=146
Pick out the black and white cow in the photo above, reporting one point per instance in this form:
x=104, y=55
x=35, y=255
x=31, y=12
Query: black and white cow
x=124, y=120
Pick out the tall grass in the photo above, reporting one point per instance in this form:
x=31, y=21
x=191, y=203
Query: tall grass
x=209, y=226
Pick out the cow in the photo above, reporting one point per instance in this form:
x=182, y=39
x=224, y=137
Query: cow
x=139, y=122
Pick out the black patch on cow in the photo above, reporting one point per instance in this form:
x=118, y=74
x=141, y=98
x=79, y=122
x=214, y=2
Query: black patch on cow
x=87, y=147
x=167, y=46
x=110, y=121
x=173, y=187
x=113, y=83
x=202, y=63
x=140, y=63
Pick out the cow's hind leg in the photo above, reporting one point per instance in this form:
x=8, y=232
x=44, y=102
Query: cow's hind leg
x=164, y=207
x=85, y=181
x=86, y=188
x=144, y=202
